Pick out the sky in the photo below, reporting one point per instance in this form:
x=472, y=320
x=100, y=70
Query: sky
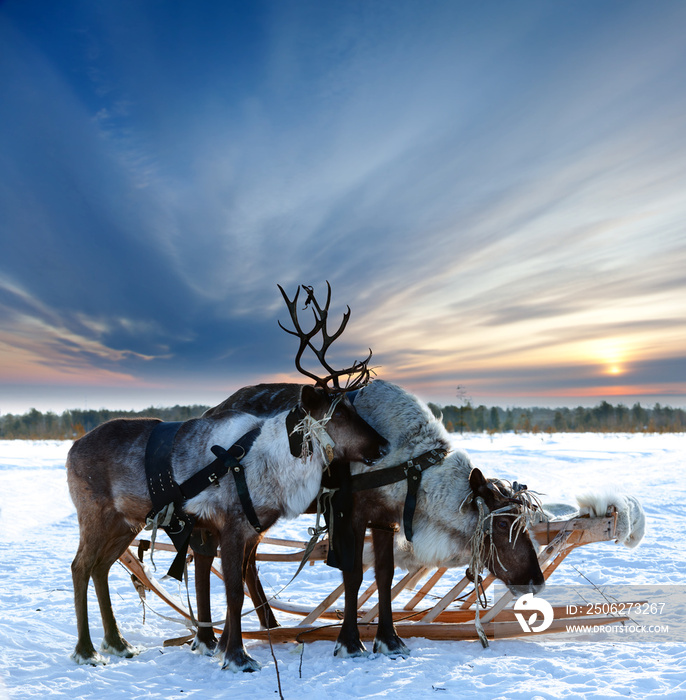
x=495, y=189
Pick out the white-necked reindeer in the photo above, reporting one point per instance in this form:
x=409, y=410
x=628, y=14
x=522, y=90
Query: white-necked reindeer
x=107, y=481
x=461, y=517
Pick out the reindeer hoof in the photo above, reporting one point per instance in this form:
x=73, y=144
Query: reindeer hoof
x=350, y=650
x=123, y=650
x=241, y=662
x=93, y=659
x=206, y=648
x=395, y=648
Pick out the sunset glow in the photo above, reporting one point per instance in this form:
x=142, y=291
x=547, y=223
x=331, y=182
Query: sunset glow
x=497, y=195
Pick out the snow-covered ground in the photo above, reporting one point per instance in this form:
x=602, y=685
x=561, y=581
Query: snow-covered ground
x=39, y=535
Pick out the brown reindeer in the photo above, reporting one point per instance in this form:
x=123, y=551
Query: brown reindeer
x=107, y=481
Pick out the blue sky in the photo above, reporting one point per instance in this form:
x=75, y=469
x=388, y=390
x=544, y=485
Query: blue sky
x=496, y=189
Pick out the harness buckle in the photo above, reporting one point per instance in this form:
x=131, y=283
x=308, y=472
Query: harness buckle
x=413, y=471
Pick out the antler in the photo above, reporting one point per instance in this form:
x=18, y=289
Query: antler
x=358, y=374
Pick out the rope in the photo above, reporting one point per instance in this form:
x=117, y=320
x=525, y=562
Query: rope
x=520, y=499
x=314, y=432
x=162, y=519
x=141, y=588
x=315, y=533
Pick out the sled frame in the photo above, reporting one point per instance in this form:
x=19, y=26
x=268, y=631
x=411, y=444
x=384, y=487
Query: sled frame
x=450, y=618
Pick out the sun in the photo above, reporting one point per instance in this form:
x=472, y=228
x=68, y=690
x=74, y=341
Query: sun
x=611, y=354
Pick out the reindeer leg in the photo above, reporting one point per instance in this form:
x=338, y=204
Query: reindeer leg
x=113, y=642
x=264, y=612
x=234, y=548
x=387, y=640
x=81, y=569
x=348, y=642
x=94, y=558
x=205, y=642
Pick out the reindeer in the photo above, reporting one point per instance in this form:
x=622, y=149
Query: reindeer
x=106, y=473
x=460, y=516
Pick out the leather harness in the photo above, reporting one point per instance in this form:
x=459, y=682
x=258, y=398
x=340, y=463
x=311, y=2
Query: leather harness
x=164, y=490
x=411, y=470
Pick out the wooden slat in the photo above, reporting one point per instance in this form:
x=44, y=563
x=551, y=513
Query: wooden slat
x=497, y=607
x=326, y=603
x=471, y=598
x=445, y=601
x=409, y=580
x=163, y=546
x=425, y=589
x=451, y=616
x=591, y=529
x=433, y=630
x=508, y=615
x=318, y=554
x=367, y=594
x=279, y=541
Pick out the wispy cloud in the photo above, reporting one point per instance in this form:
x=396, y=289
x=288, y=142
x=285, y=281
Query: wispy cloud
x=495, y=194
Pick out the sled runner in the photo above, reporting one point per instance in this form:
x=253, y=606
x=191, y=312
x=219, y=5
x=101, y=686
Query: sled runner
x=450, y=617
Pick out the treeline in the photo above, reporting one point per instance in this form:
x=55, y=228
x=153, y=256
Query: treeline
x=604, y=417
x=601, y=418
x=74, y=423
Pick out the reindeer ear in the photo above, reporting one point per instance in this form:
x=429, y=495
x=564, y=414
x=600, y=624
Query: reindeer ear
x=314, y=400
x=477, y=482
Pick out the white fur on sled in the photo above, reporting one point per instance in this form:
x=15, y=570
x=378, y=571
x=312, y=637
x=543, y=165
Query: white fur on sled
x=631, y=520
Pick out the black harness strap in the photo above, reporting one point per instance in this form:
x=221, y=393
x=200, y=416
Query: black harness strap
x=229, y=461
x=338, y=516
x=414, y=479
x=165, y=490
x=214, y=471
x=391, y=475
x=411, y=470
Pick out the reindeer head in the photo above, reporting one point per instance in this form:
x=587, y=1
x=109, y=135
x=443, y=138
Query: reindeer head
x=501, y=542
x=328, y=416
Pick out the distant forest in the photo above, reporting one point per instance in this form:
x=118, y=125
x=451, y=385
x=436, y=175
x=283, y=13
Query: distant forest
x=604, y=417
x=74, y=423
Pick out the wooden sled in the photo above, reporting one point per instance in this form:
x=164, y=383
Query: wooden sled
x=451, y=617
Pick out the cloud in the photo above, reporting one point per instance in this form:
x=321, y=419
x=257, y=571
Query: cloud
x=485, y=188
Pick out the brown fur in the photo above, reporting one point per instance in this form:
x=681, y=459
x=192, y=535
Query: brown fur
x=106, y=476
